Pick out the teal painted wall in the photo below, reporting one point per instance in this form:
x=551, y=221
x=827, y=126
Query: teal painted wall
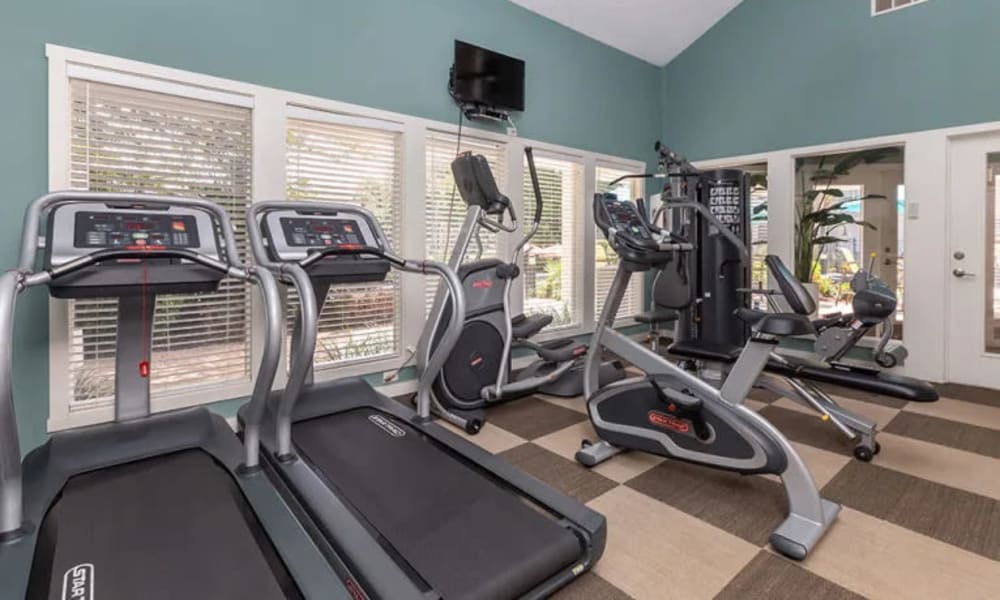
x=389, y=54
x=779, y=74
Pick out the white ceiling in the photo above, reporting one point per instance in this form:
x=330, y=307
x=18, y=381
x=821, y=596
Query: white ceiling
x=653, y=30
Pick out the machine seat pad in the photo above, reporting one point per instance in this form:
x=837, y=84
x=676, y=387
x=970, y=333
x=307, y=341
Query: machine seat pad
x=783, y=324
x=657, y=315
x=525, y=327
x=882, y=383
x=749, y=315
x=701, y=350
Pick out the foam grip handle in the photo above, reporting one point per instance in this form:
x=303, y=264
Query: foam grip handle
x=536, y=188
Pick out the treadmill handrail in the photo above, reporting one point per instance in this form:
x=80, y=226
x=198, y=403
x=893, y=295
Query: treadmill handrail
x=347, y=250
x=141, y=253
x=10, y=451
x=295, y=273
x=15, y=281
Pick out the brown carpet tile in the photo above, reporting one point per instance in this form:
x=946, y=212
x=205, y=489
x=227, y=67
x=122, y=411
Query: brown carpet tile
x=957, y=517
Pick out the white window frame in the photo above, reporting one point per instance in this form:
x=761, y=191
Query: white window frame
x=332, y=115
x=894, y=8
x=525, y=207
x=271, y=109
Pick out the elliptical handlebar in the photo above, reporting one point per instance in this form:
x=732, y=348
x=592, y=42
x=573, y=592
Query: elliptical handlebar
x=501, y=380
x=529, y=154
x=496, y=225
x=537, y=190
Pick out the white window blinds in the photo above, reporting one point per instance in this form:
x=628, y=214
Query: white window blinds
x=605, y=259
x=552, y=269
x=128, y=140
x=348, y=163
x=444, y=208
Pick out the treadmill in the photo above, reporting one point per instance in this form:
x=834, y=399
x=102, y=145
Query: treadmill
x=414, y=510
x=161, y=506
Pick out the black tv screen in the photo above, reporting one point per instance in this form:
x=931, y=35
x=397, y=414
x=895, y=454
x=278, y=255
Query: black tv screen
x=485, y=77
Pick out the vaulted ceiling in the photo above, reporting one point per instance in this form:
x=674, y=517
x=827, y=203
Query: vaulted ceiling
x=653, y=30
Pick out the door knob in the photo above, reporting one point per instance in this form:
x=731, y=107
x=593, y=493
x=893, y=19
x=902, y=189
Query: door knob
x=960, y=273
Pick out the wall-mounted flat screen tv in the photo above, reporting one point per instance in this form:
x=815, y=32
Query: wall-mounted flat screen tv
x=481, y=76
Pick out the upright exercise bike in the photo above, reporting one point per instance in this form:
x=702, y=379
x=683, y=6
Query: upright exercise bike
x=671, y=412
x=477, y=373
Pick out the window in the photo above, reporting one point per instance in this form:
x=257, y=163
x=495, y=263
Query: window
x=551, y=260
x=885, y=6
x=129, y=140
x=338, y=162
x=839, y=261
x=992, y=220
x=606, y=261
x=900, y=254
x=444, y=208
x=758, y=230
x=124, y=126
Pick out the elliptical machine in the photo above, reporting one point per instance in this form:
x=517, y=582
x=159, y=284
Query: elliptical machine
x=477, y=373
x=671, y=412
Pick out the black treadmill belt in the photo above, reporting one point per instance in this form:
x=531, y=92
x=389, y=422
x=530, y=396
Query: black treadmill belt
x=171, y=527
x=463, y=533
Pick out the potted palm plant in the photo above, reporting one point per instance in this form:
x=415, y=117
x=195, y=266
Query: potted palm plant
x=823, y=211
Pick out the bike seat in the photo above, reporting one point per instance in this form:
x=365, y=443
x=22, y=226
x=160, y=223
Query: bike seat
x=702, y=350
x=526, y=326
x=784, y=324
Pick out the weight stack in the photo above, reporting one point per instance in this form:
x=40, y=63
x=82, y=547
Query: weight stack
x=726, y=194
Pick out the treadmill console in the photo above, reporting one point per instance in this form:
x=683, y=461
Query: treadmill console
x=136, y=230
x=78, y=230
x=320, y=232
x=292, y=236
